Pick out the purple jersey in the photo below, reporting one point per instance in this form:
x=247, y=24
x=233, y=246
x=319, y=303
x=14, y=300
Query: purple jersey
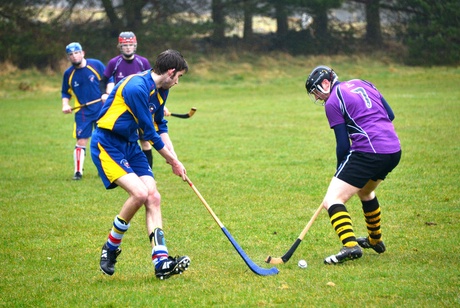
x=119, y=68
x=358, y=104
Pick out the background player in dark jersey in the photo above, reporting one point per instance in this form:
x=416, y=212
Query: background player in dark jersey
x=359, y=114
x=81, y=81
x=125, y=64
x=120, y=160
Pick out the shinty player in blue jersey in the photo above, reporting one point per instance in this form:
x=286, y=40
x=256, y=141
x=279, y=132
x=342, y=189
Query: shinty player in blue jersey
x=359, y=115
x=121, y=162
x=126, y=63
x=81, y=81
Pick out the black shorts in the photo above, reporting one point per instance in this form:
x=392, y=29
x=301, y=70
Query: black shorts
x=358, y=167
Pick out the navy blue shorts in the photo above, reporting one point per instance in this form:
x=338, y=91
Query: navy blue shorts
x=84, y=124
x=358, y=167
x=115, y=157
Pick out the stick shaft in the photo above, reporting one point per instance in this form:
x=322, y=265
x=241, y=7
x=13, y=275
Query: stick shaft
x=252, y=266
x=293, y=248
x=87, y=104
x=221, y=225
x=312, y=219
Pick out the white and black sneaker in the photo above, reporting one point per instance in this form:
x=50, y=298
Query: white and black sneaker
x=171, y=266
x=345, y=254
x=108, y=259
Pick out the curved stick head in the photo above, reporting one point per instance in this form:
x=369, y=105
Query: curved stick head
x=191, y=112
x=271, y=260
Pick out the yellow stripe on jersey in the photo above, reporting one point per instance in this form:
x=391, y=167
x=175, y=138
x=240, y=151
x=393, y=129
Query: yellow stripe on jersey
x=94, y=71
x=72, y=93
x=70, y=78
x=112, y=170
x=117, y=108
x=161, y=101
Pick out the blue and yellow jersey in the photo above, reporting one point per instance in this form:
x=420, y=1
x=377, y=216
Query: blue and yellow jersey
x=83, y=84
x=131, y=105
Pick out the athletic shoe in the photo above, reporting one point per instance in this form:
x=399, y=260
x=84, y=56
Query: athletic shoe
x=171, y=266
x=77, y=176
x=365, y=243
x=108, y=259
x=345, y=254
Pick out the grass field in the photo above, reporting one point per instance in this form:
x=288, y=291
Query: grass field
x=262, y=155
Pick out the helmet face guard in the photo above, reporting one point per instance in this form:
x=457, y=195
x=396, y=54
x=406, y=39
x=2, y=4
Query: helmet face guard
x=125, y=41
x=314, y=87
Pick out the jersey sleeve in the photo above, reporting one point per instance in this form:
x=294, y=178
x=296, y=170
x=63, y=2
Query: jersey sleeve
x=109, y=69
x=66, y=92
x=137, y=98
x=390, y=112
x=342, y=142
x=161, y=124
x=146, y=62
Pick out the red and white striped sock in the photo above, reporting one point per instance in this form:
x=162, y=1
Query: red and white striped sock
x=79, y=158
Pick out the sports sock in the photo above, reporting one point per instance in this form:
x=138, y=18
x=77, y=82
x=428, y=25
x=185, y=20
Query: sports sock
x=148, y=154
x=341, y=221
x=79, y=158
x=372, y=215
x=120, y=226
x=159, y=251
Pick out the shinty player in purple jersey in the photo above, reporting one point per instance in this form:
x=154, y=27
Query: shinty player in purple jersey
x=121, y=66
x=359, y=115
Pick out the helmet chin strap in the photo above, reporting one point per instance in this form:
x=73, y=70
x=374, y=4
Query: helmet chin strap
x=320, y=88
x=128, y=57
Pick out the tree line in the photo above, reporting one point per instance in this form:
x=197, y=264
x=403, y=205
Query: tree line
x=33, y=33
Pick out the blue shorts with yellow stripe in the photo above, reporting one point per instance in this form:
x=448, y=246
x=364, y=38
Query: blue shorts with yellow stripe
x=84, y=124
x=115, y=157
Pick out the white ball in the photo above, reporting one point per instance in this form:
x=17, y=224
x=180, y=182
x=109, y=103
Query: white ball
x=302, y=264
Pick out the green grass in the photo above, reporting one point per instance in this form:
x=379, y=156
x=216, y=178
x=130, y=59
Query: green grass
x=262, y=156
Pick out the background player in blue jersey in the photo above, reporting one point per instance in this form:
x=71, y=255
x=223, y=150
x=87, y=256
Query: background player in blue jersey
x=121, y=162
x=359, y=115
x=125, y=64
x=81, y=81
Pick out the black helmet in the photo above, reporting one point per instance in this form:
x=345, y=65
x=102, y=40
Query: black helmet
x=316, y=77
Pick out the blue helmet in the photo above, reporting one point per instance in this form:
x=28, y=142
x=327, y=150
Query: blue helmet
x=72, y=47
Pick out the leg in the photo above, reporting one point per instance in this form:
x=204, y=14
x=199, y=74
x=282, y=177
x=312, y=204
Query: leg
x=153, y=218
x=338, y=193
x=165, y=266
x=372, y=215
x=147, y=149
x=79, y=154
x=154, y=221
x=83, y=130
x=137, y=197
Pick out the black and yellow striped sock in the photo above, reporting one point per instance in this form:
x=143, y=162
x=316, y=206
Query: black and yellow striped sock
x=341, y=221
x=372, y=215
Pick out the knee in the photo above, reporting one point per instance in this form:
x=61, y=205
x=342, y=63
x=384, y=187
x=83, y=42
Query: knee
x=140, y=195
x=154, y=197
x=366, y=195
